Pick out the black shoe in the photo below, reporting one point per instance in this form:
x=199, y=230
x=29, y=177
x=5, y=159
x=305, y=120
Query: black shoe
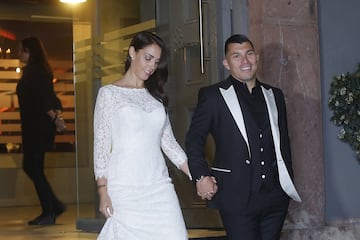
x=43, y=220
x=59, y=209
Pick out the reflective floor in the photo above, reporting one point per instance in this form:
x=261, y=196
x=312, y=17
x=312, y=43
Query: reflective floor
x=13, y=226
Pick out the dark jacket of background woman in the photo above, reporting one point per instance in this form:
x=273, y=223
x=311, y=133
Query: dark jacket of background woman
x=36, y=97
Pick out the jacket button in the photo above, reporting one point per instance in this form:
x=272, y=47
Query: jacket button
x=247, y=161
x=263, y=176
x=262, y=163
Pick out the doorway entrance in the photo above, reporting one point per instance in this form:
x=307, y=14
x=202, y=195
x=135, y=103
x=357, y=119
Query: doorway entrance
x=194, y=32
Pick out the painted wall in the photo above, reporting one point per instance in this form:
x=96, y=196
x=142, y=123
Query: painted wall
x=339, y=53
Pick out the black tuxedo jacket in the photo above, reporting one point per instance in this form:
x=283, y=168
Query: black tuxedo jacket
x=232, y=164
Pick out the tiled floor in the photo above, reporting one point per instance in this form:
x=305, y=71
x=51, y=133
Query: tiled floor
x=13, y=226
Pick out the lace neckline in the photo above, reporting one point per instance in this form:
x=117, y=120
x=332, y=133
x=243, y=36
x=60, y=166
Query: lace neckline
x=128, y=88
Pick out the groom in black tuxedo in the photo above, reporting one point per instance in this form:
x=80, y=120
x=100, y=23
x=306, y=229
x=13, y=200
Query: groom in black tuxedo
x=250, y=181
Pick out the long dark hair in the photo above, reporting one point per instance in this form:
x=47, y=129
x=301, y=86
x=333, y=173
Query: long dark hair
x=155, y=83
x=37, y=52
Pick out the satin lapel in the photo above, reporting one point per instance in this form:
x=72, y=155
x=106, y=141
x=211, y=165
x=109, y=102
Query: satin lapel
x=273, y=113
x=232, y=102
x=284, y=177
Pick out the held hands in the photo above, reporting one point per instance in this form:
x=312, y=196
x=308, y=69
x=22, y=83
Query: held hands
x=206, y=187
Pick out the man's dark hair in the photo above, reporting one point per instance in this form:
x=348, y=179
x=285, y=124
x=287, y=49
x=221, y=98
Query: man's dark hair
x=237, y=38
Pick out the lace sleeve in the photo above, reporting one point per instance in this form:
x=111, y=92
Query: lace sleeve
x=102, y=133
x=171, y=147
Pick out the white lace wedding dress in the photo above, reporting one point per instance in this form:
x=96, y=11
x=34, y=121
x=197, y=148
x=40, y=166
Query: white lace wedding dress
x=130, y=130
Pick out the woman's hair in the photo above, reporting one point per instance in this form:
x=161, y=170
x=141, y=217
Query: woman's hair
x=37, y=52
x=155, y=83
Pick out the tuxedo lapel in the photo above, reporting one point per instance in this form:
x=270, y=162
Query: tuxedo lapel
x=284, y=177
x=232, y=102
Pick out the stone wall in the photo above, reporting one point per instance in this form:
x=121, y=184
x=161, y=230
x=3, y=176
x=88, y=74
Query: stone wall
x=286, y=36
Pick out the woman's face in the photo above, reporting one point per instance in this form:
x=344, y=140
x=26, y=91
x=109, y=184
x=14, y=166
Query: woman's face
x=145, y=61
x=23, y=54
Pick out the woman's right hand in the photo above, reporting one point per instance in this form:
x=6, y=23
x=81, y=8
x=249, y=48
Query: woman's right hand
x=105, y=206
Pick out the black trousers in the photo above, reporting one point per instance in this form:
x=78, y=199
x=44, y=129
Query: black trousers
x=33, y=166
x=263, y=218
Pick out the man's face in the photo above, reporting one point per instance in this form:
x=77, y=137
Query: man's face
x=241, y=60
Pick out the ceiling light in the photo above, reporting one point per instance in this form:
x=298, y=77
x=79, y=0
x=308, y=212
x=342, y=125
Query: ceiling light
x=72, y=1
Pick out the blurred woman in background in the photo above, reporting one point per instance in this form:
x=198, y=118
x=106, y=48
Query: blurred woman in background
x=40, y=113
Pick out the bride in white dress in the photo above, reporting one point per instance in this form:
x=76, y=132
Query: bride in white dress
x=131, y=132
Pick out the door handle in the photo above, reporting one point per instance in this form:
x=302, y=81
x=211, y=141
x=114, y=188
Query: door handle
x=201, y=38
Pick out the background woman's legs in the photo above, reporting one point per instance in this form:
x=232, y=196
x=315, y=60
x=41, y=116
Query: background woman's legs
x=33, y=166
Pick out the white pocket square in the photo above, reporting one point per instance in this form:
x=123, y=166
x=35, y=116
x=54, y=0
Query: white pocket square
x=221, y=169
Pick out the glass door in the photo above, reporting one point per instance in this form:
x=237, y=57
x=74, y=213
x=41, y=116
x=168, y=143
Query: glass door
x=99, y=54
